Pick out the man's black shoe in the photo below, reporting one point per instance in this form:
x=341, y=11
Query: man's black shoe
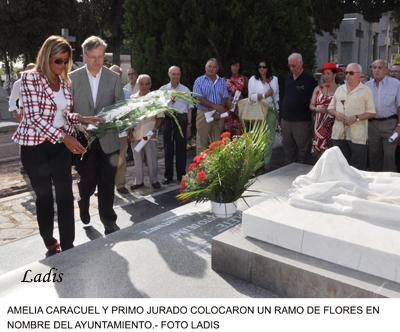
x=123, y=190
x=111, y=229
x=156, y=185
x=84, y=212
x=166, y=181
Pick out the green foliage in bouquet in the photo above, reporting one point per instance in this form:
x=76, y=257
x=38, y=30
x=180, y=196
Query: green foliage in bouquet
x=227, y=168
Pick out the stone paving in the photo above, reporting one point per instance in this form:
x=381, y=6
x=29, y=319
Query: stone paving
x=17, y=201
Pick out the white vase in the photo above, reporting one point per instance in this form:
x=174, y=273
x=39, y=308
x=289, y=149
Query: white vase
x=223, y=210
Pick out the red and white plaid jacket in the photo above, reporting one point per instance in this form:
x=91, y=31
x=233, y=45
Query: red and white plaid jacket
x=39, y=109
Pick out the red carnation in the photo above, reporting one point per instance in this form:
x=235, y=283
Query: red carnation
x=226, y=134
x=215, y=144
x=201, y=176
x=199, y=158
x=182, y=187
x=191, y=166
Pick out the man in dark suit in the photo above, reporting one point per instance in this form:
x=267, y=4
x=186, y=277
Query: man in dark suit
x=94, y=87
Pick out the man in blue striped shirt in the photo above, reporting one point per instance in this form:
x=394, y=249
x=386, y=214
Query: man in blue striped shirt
x=212, y=94
x=386, y=92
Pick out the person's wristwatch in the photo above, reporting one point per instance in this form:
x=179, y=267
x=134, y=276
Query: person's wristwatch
x=357, y=118
x=60, y=138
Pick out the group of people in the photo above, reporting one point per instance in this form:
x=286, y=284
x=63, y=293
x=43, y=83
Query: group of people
x=55, y=104
x=358, y=118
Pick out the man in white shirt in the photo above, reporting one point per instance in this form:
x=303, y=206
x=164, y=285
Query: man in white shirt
x=352, y=105
x=15, y=101
x=94, y=87
x=132, y=87
x=173, y=140
x=386, y=92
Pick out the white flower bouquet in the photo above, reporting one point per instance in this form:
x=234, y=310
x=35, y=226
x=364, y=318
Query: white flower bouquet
x=129, y=113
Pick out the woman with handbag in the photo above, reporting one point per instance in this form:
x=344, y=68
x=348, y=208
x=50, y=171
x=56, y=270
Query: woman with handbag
x=264, y=88
x=46, y=138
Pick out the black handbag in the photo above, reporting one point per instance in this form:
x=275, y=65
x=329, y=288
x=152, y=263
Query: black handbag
x=77, y=158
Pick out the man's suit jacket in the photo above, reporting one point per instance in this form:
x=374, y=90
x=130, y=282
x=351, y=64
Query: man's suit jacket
x=109, y=92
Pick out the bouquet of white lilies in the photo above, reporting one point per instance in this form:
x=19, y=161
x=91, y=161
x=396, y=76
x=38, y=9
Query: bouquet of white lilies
x=129, y=113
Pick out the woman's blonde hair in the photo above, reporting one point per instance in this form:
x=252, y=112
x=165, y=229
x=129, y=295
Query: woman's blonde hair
x=52, y=46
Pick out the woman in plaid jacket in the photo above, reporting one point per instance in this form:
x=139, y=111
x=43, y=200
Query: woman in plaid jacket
x=45, y=135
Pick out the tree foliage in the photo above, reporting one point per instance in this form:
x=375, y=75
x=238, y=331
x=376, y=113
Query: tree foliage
x=328, y=14
x=100, y=18
x=25, y=24
x=188, y=32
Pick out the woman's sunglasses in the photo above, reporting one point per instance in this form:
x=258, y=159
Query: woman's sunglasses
x=61, y=62
x=261, y=66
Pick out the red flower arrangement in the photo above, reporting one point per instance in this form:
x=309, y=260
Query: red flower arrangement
x=223, y=171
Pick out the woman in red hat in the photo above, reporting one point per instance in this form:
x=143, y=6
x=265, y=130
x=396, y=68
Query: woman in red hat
x=320, y=100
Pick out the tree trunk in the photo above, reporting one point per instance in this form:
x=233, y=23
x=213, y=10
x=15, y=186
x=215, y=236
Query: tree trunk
x=116, y=30
x=8, y=69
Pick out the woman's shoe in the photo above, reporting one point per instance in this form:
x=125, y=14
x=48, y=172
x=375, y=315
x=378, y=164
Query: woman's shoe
x=53, y=249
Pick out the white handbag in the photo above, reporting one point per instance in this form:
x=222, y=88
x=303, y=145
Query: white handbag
x=252, y=111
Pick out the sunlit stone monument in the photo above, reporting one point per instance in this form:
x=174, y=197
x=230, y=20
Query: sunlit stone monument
x=341, y=226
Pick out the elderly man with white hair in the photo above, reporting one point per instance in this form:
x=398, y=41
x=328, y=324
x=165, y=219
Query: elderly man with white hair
x=174, y=142
x=352, y=105
x=395, y=71
x=131, y=87
x=386, y=92
x=296, y=115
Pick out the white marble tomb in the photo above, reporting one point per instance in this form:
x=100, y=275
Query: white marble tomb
x=335, y=226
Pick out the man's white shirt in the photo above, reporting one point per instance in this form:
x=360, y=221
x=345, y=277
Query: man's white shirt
x=180, y=105
x=94, y=84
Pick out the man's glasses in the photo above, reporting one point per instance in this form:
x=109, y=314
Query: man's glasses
x=261, y=66
x=61, y=62
x=351, y=73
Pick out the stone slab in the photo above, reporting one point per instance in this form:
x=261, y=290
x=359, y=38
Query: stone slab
x=8, y=126
x=370, y=247
x=168, y=255
x=30, y=249
x=291, y=274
